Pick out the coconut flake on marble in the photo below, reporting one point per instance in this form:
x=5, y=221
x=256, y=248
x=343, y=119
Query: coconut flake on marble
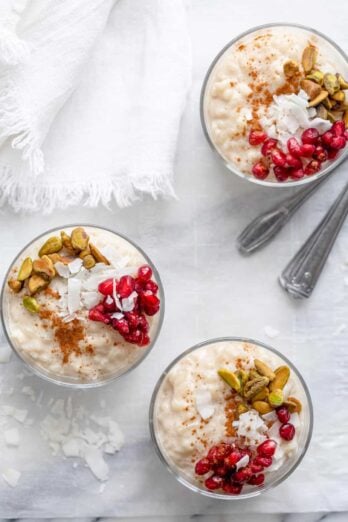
x=75, y=266
x=11, y=476
x=204, y=403
x=271, y=332
x=16, y=413
x=95, y=461
x=11, y=437
x=74, y=291
x=28, y=390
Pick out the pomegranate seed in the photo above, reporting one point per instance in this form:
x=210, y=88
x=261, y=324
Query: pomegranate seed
x=307, y=150
x=145, y=273
x=346, y=134
x=143, y=325
x=134, y=337
x=150, y=303
x=320, y=153
x=232, y=488
x=106, y=287
x=287, y=431
x=202, y=467
x=338, y=128
x=218, y=453
x=296, y=173
x=145, y=339
x=256, y=468
x=221, y=470
x=327, y=137
x=125, y=286
x=283, y=414
x=293, y=161
x=260, y=170
x=281, y=173
x=267, y=448
x=214, y=482
x=233, y=458
x=268, y=146
x=263, y=461
x=338, y=142
x=310, y=136
x=109, y=304
x=152, y=286
x=97, y=315
x=312, y=167
x=278, y=157
x=257, y=480
x=242, y=475
x=257, y=137
x=294, y=147
x=133, y=319
x=121, y=326
x=332, y=153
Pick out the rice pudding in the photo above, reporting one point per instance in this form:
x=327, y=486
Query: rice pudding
x=275, y=104
x=81, y=305
x=231, y=416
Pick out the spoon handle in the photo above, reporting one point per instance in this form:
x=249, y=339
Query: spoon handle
x=301, y=274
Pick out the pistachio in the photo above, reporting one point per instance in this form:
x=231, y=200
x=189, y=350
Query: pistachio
x=328, y=103
x=263, y=369
x=31, y=304
x=25, y=269
x=51, y=246
x=323, y=94
x=88, y=262
x=333, y=116
x=44, y=267
x=309, y=57
x=15, y=285
x=253, y=386
x=230, y=378
x=342, y=81
x=339, y=96
x=322, y=112
x=316, y=76
x=36, y=283
x=345, y=118
x=290, y=68
x=55, y=258
x=98, y=256
x=312, y=89
x=242, y=408
x=276, y=398
x=282, y=375
x=79, y=239
x=262, y=407
x=66, y=240
x=84, y=253
x=331, y=83
x=293, y=404
x=263, y=394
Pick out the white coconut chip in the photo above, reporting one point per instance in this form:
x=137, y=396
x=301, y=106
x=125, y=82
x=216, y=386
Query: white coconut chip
x=128, y=303
x=62, y=269
x=16, y=413
x=75, y=266
x=244, y=461
x=11, y=476
x=11, y=437
x=271, y=416
x=74, y=290
x=204, y=403
x=90, y=299
x=117, y=315
x=271, y=332
x=95, y=461
x=68, y=318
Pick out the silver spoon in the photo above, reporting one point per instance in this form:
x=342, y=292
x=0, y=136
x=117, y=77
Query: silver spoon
x=302, y=273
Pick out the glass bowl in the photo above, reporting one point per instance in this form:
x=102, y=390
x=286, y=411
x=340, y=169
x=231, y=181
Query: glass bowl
x=125, y=244
x=204, y=120
x=276, y=477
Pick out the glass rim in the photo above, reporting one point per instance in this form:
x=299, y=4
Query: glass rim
x=93, y=384
x=176, y=474
x=273, y=184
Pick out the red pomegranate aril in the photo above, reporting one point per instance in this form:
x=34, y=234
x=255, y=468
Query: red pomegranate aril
x=97, y=315
x=150, y=303
x=106, y=287
x=221, y=470
x=202, y=466
x=145, y=273
x=346, y=134
x=268, y=146
x=278, y=157
x=338, y=128
x=109, y=304
x=293, y=161
x=218, y=453
x=145, y=339
x=326, y=138
x=134, y=337
x=256, y=468
x=143, y=325
x=263, y=461
x=287, y=431
x=260, y=170
x=242, y=475
x=125, y=286
x=312, y=167
x=214, y=482
x=320, y=154
x=283, y=414
x=257, y=480
x=338, y=142
x=281, y=173
x=294, y=147
x=310, y=136
x=121, y=326
x=233, y=458
x=297, y=173
x=257, y=137
x=267, y=448
x=232, y=488
x=152, y=286
x=332, y=153
x=307, y=150
x=132, y=319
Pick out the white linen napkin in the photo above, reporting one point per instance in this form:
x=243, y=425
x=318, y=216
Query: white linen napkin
x=91, y=111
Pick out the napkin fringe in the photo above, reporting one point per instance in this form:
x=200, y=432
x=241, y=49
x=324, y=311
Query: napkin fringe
x=13, y=50
x=124, y=191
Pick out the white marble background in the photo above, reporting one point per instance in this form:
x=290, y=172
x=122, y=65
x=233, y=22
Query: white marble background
x=210, y=291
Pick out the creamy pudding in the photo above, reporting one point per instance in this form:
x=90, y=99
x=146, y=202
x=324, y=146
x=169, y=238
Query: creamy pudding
x=231, y=416
x=82, y=305
x=268, y=88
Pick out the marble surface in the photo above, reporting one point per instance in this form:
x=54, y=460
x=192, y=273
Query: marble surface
x=210, y=291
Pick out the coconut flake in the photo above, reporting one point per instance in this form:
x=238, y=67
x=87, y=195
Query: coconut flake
x=252, y=426
x=244, y=461
x=128, y=303
x=90, y=299
x=11, y=437
x=74, y=290
x=16, y=413
x=204, y=403
x=75, y=266
x=96, y=463
x=11, y=476
x=271, y=416
x=62, y=269
x=68, y=318
x=271, y=332
x=117, y=315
